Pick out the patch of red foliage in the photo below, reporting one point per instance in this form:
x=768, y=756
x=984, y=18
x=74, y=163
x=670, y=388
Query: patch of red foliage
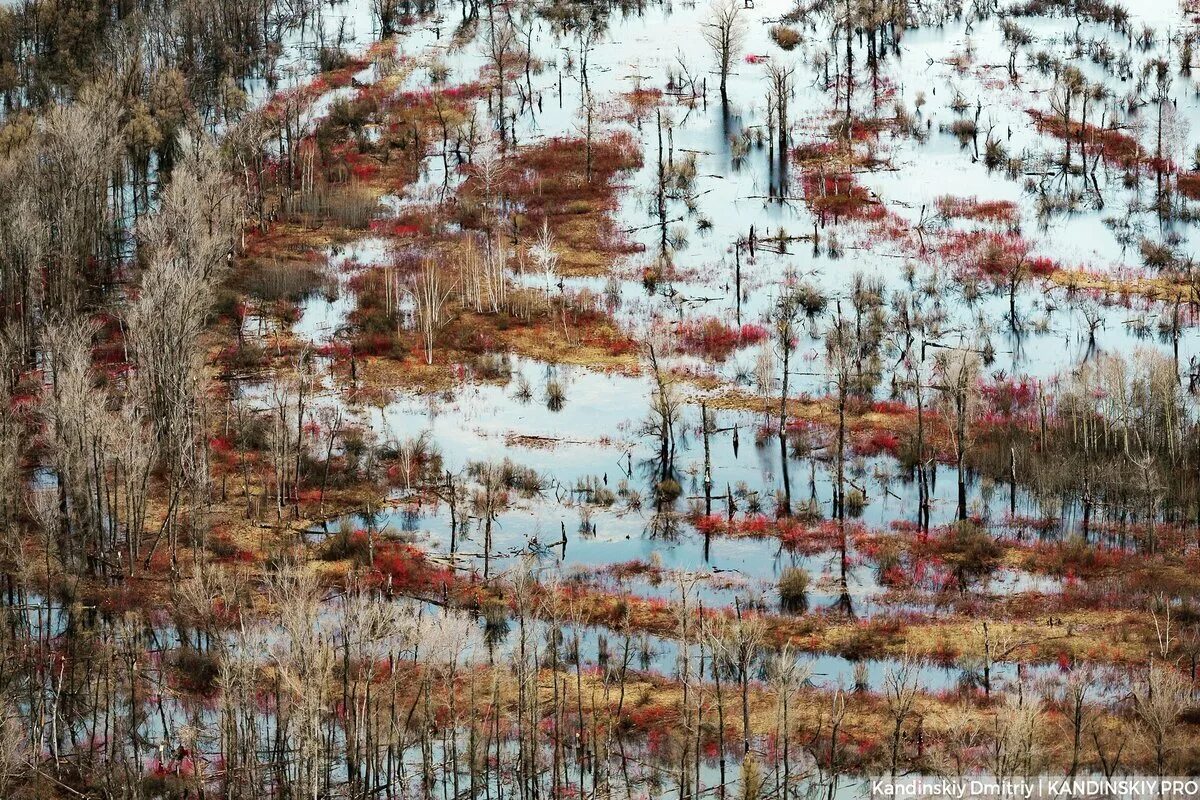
x=278, y=106
x=631, y=569
x=1188, y=184
x=838, y=195
x=404, y=569
x=992, y=254
x=651, y=717
x=815, y=151
x=713, y=338
x=1010, y=395
x=569, y=186
x=1026, y=524
x=620, y=609
x=225, y=551
x=794, y=534
x=430, y=98
x=182, y=767
x=995, y=211
x=552, y=175
x=399, y=228
x=1116, y=148
x=875, y=443
x=643, y=100
x=1010, y=401
x=892, y=407
x=1067, y=560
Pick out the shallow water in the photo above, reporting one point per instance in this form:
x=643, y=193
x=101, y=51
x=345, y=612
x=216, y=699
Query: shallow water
x=598, y=434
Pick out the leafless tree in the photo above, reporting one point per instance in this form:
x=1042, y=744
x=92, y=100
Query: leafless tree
x=779, y=75
x=429, y=302
x=744, y=638
x=501, y=52
x=786, y=314
x=1078, y=711
x=900, y=690
x=786, y=676
x=958, y=371
x=24, y=246
x=78, y=152
x=664, y=413
x=1014, y=746
x=13, y=745
x=387, y=14
x=76, y=424
x=725, y=33
x=188, y=243
x=1162, y=695
x=488, y=500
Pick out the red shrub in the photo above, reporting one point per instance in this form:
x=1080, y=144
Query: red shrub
x=997, y=211
x=711, y=337
x=877, y=443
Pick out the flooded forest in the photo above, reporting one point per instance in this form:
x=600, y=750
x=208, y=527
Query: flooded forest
x=597, y=399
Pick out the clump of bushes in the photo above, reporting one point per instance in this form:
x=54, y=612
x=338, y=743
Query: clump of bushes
x=887, y=563
x=495, y=619
x=332, y=58
x=668, y=490
x=524, y=392
x=197, y=671
x=346, y=545
x=556, y=395
x=350, y=206
x=793, y=589
x=713, y=338
x=971, y=552
x=493, y=366
x=856, y=501
x=272, y=282
x=964, y=130
x=808, y=512
x=595, y=491
x=507, y=474
x=787, y=38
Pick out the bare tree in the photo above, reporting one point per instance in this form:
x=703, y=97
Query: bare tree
x=1014, y=746
x=24, y=245
x=786, y=676
x=1079, y=715
x=779, y=74
x=429, y=302
x=900, y=691
x=785, y=316
x=725, y=33
x=958, y=370
x=992, y=645
x=13, y=745
x=500, y=49
x=488, y=500
x=664, y=415
x=305, y=660
x=1163, y=694
x=189, y=242
x=76, y=425
x=387, y=13
x=745, y=637
x=79, y=149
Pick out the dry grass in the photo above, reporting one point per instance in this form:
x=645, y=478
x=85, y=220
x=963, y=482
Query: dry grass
x=1162, y=287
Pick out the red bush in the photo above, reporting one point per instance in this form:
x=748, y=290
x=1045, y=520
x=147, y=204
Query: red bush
x=713, y=338
x=997, y=211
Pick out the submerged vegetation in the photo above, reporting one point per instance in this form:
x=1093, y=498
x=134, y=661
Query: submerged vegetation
x=616, y=399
